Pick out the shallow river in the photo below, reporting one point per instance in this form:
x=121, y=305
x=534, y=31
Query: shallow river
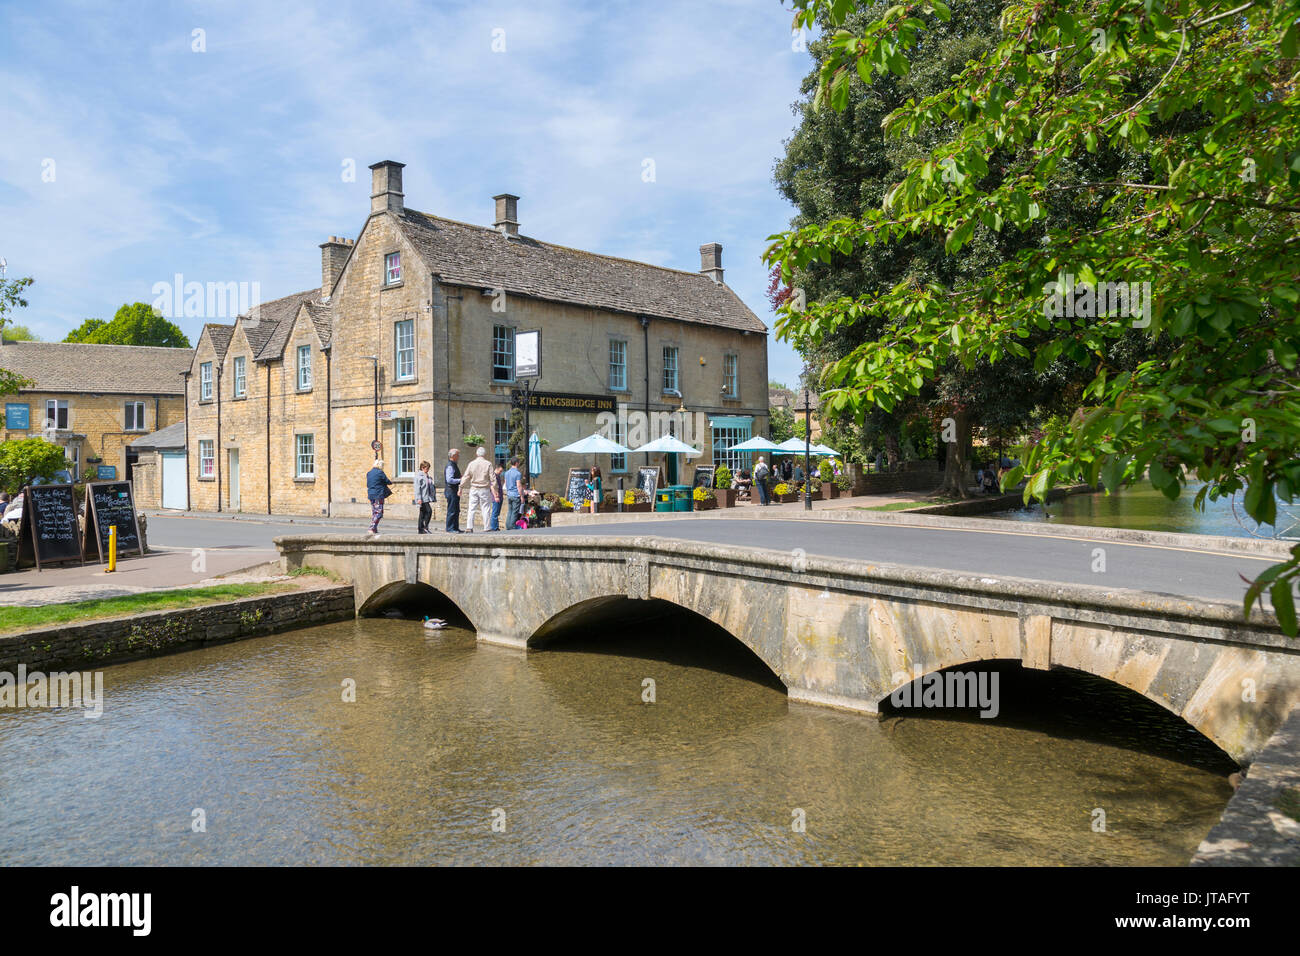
x=1142, y=508
x=557, y=750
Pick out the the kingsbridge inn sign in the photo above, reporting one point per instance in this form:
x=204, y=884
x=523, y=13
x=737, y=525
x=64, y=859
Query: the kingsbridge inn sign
x=568, y=402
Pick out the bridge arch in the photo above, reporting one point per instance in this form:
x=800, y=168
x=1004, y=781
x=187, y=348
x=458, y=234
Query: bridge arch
x=1207, y=729
x=413, y=599
x=618, y=615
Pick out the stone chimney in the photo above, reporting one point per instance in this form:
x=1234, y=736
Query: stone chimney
x=386, y=187
x=507, y=214
x=333, y=255
x=711, y=261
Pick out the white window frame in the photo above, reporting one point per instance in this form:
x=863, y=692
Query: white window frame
x=406, y=352
x=304, y=380
x=407, y=449
x=59, y=405
x=618, y=369
x=133, y=417
x=392, y=268
x=672, y=381
x=208, y=461
x=241, y=376
x=506, y=335
x=731, y=375
x=299, y=455
x=205, y=382
x=75, y=448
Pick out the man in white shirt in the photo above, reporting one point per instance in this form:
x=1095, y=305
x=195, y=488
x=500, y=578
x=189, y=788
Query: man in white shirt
x=478, y=475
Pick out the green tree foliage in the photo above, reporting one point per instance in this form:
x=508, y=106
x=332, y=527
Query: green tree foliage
x=838, y=165
x=86, y=329
x=133, y=324
x=22, y=459
x=1196, y=228
x=19, y=333
x=781, y=425
x=11, y=298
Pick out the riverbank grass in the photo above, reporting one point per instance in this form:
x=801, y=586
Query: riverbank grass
x=18, y=619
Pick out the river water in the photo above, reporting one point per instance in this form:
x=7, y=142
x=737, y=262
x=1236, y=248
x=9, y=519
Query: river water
x=1142, y=508
x=559, y=752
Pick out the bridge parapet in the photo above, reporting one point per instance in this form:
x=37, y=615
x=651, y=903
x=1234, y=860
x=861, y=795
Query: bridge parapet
x=845, y=633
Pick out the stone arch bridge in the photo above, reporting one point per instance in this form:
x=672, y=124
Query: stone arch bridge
x=846, y=633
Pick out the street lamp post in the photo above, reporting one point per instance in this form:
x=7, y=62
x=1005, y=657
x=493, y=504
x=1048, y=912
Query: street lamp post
x=807, y=453
x=375, y=359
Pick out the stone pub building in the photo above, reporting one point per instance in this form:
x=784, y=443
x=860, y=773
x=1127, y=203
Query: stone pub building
x=410, y=341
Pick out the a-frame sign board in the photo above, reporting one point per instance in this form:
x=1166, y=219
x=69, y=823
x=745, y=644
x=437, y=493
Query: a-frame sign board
x=48, y=533
x=111, y=503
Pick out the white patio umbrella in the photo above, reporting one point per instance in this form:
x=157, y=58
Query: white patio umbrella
x=671, y=445
x=820, y=449
x=596, y=445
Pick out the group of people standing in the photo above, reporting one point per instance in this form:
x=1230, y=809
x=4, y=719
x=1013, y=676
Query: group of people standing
x=490, y=486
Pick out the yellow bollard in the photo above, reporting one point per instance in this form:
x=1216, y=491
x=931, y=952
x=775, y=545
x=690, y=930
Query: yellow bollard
x=112, y=547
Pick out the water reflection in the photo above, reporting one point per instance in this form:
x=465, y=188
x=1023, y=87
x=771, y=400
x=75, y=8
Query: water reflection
x=444, y=732
x=1142, y=508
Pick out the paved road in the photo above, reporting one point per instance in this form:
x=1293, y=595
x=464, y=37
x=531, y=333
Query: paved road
x=171, y=531
x=1182, y=572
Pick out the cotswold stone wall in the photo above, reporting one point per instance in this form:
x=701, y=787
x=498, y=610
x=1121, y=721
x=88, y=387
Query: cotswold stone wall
x=78, y=646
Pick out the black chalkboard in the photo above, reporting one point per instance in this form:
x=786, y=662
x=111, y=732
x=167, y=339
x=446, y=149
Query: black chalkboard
x=647, y=479
x=111, y=503
x=577, y=487
x=703, y=477
x=49, y=532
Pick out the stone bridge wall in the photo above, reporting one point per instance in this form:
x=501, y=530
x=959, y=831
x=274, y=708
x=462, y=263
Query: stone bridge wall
x=847, y=633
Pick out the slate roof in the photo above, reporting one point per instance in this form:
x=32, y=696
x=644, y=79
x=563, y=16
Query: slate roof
x=464, y=254
x=322, y=316
x=219, y=335
x=173, y=436
x=99, y=369
x=274, y=323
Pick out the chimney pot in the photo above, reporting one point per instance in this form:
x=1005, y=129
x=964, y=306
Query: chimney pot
x=711, y=261
x=507, y=220
x=386, y=187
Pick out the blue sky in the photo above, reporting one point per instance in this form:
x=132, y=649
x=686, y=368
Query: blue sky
x=226, y=165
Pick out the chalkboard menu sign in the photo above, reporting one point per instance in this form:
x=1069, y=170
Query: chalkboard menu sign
x=49, y=532
x=108, y=504
x=703, y=476
x=577, y=487
x=647, y=479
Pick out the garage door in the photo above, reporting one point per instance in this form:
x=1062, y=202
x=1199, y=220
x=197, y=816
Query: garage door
x=173, y=480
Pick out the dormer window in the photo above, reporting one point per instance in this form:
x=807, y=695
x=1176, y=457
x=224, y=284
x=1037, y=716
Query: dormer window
x=392, y=268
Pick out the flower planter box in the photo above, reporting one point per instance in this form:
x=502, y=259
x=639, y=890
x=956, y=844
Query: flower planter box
x=707, y=505
x=786, y=499
x=829, y=491
x=726, y=497
x=639, y=507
